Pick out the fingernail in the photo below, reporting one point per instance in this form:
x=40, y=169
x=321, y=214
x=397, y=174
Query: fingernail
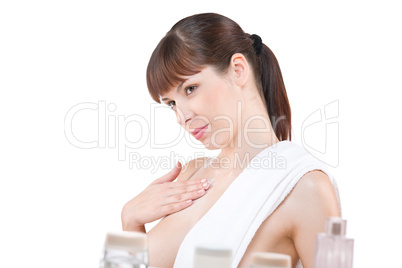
x=201, y=191
x=203, y=180
x=205, y=184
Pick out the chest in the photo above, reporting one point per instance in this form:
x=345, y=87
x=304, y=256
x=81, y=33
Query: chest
x=166, y=237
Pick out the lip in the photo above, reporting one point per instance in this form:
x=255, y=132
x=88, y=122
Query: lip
x=199, y=132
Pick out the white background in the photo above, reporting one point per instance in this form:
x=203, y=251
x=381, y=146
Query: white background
x=58, y=201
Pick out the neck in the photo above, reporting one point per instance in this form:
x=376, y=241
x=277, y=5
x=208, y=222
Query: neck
x=253, y=134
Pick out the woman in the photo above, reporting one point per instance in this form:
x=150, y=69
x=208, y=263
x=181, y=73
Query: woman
x=226, y=89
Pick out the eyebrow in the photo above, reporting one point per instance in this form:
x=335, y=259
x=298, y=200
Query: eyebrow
x=178, y=89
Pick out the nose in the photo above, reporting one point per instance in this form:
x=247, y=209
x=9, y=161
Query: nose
x=183, y=116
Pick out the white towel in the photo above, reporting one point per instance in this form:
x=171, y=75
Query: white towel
x=236, y=216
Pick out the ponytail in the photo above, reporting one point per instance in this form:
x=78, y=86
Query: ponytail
x=274, y=93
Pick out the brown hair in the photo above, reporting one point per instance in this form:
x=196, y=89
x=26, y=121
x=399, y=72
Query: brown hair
x=211, y=39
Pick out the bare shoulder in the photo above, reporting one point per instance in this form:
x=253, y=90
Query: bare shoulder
x=313, y=193
x=313, y=185
x=191, y=167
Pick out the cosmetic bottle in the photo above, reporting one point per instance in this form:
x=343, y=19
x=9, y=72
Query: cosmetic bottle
x=270, y=260
x=333, y=249
x=212, y=256
x=125, y=250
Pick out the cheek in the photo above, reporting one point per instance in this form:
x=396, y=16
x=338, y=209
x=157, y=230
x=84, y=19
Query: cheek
x=208, y=104
x=222, y=99
x=218, y=101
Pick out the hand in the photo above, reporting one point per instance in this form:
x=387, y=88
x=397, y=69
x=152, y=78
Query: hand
x=162, y=197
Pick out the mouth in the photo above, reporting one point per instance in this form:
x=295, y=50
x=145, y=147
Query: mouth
x=198, y=132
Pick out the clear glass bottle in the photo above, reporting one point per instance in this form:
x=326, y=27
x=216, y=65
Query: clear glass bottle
x=333, y=249
x=212, y=256
x=270, y=260
x=125, y=250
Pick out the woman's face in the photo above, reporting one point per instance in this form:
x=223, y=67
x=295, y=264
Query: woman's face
x=206, y=105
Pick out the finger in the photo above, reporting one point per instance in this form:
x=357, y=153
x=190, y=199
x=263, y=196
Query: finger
x=171, y=176
x=177, y=198
x=175, y=207
x=187, y=188
x=179, y=184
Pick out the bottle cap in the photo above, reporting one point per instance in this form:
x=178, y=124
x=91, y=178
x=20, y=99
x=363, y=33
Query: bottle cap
x=270, y=260
x=212, y=256
x=129, y=241
x=335, y=226
x=214, y=250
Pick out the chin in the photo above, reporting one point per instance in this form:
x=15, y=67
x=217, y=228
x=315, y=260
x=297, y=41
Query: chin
x=208, y=145
x=217, y=144
x=211, y=148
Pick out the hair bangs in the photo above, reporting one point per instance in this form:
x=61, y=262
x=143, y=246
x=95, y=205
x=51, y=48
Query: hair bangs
x=170, y=63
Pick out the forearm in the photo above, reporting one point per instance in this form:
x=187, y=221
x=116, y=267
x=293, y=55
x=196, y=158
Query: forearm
x=140, y=228
x=130, y=224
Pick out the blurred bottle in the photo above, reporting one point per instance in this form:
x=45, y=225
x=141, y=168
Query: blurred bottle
x=212, y=257
x=270, y=260
x=333, y=249
x=125, y=250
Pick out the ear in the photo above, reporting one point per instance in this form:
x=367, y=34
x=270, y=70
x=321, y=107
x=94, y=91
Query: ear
x=239, y=68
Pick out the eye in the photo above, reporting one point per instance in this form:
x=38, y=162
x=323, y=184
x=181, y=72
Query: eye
x=190, y=89
x=171, y=104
